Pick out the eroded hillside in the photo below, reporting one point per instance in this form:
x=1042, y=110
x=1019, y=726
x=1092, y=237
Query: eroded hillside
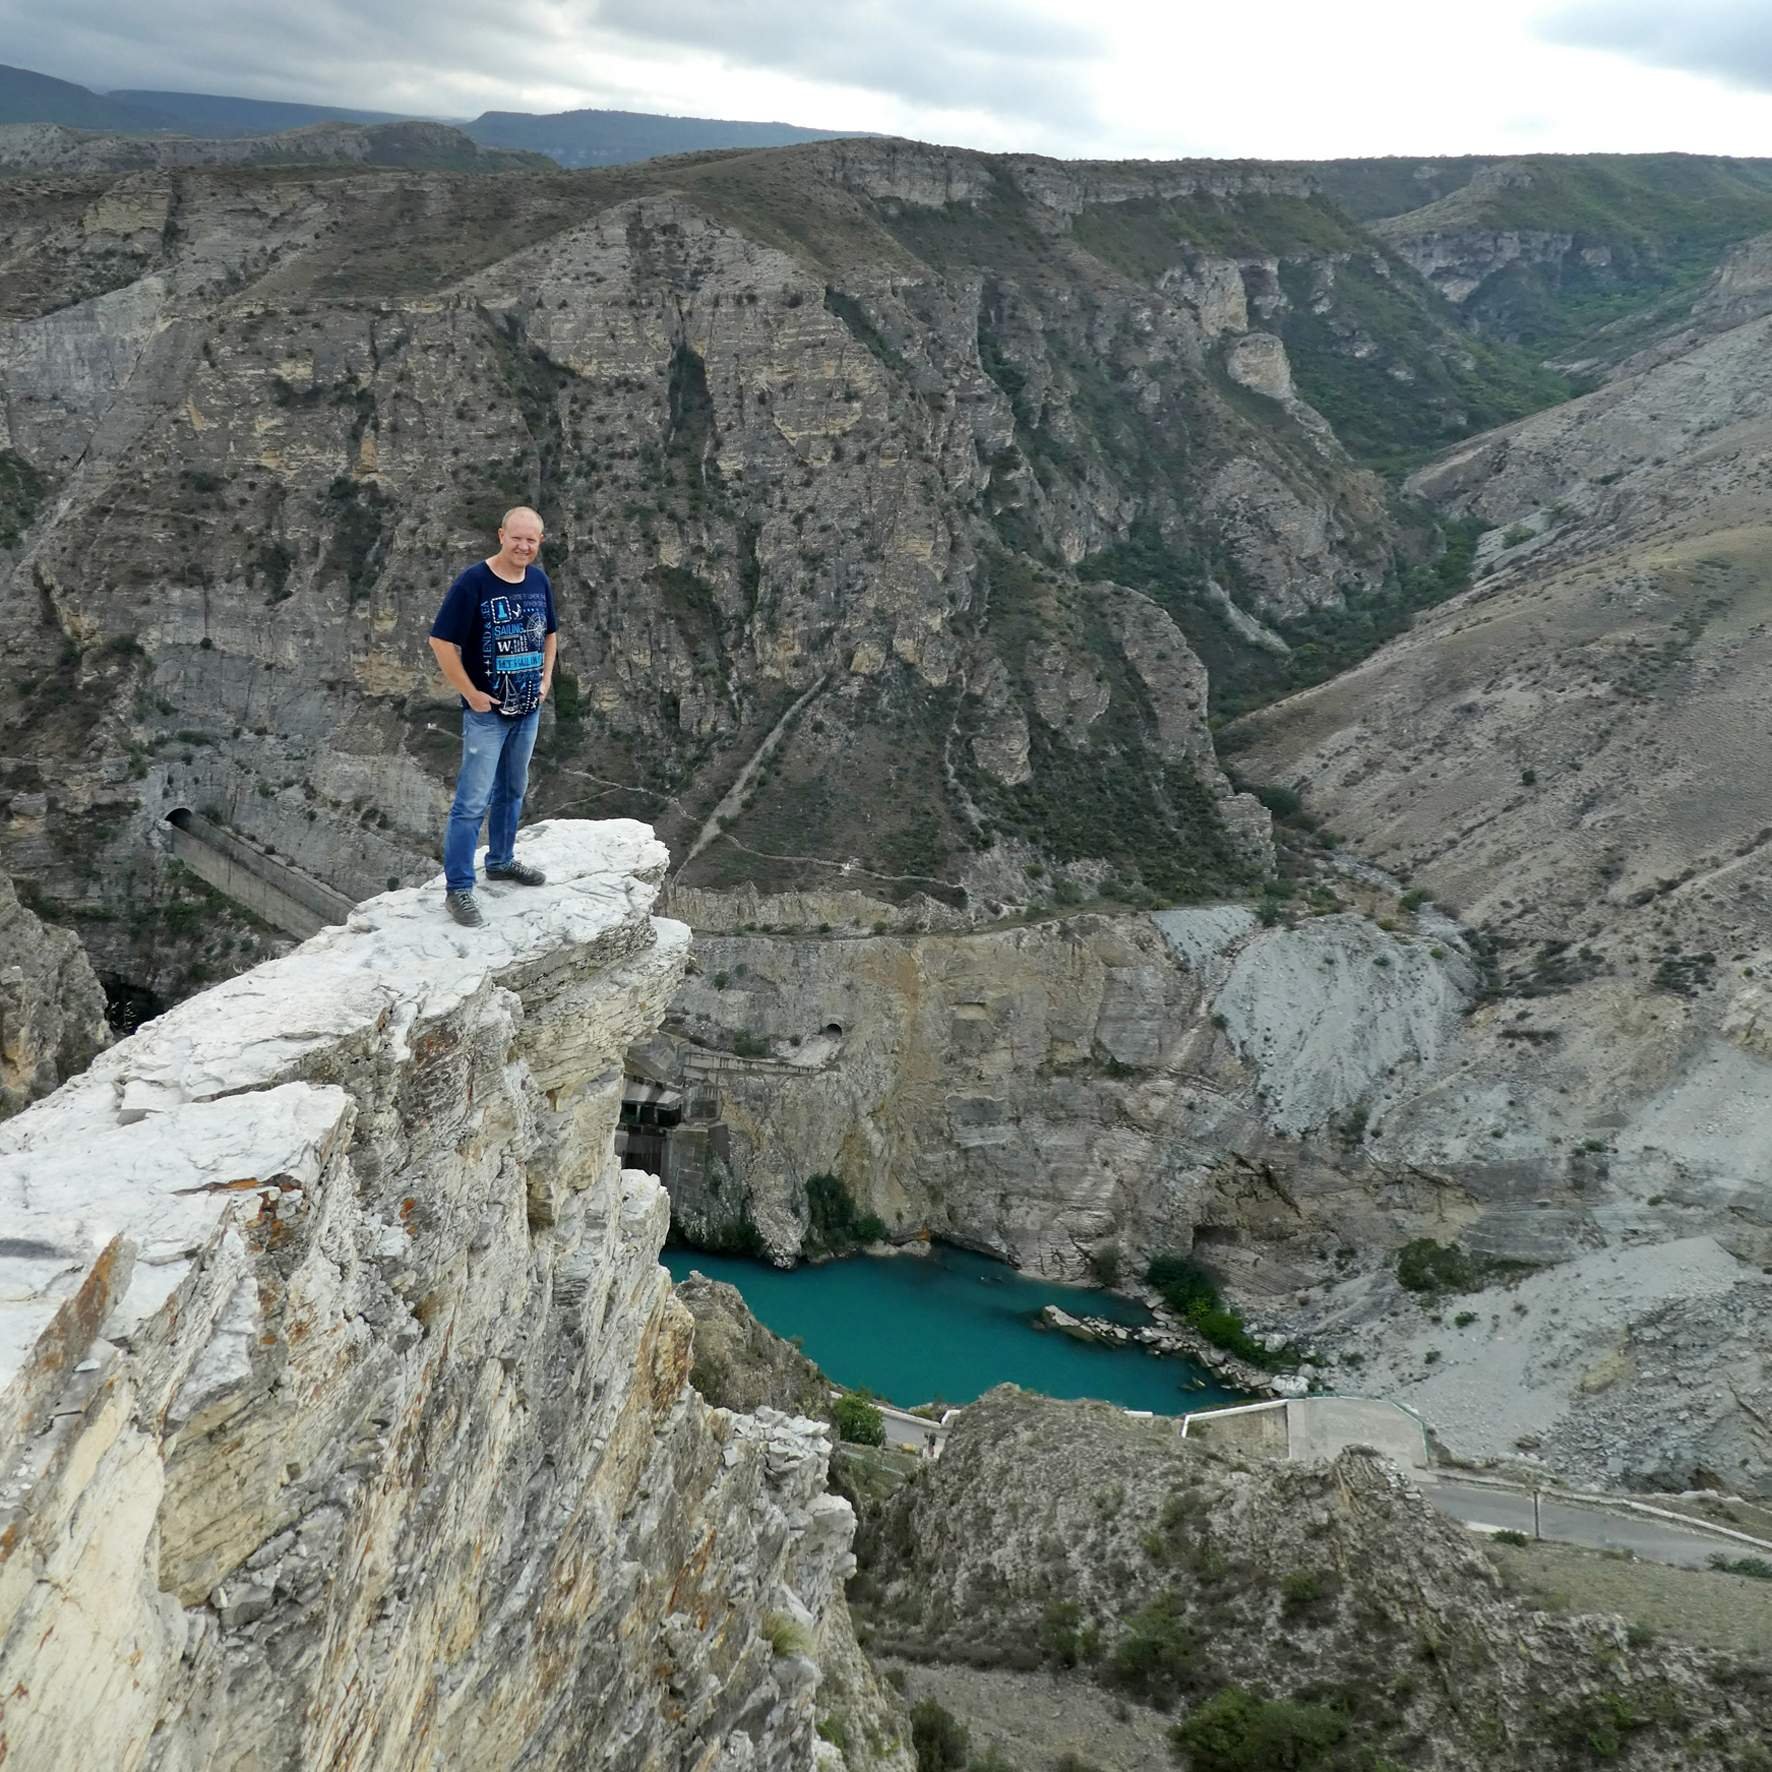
x=921, y=522
x=968, y=462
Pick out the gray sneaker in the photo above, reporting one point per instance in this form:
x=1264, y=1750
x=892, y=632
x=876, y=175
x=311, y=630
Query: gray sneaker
x=464, y=909
x=518, y=873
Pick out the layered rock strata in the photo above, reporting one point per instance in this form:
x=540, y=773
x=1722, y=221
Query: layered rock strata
x=52, y=1008
x=346, y=1419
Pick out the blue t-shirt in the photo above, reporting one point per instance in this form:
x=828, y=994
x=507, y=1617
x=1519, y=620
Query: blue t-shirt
x=500, y=629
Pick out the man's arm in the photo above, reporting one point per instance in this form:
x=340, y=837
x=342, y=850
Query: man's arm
x=549, y=647
x=449, y=662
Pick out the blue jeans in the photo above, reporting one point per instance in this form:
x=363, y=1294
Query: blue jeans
x=494, y=771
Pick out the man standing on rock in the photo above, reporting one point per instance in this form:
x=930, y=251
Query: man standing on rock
x=494, y=639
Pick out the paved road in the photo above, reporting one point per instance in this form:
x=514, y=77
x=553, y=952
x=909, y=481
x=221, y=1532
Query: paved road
x=1656, y=1541
x=903, y=1433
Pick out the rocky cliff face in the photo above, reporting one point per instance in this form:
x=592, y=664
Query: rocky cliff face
x=1209, y=1587
x=1056, y=1089
x=52, y=1010
x=1571, y=755
x=966, y=462
x=346, y=1419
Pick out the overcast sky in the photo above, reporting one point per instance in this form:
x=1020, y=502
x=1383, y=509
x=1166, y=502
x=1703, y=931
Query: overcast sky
x=1291, y=78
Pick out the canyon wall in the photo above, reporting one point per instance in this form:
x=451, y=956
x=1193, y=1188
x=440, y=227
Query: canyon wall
x=345, y=1417
x=52, y=1010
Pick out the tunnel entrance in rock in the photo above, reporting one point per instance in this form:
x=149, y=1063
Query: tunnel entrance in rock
x=128, y=1004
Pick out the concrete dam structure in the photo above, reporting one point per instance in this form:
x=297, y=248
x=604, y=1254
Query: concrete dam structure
x=283, y=895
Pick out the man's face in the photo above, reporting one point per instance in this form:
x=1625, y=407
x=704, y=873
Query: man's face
x=521, y=539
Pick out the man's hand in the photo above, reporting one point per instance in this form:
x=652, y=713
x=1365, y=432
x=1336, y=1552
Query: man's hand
x=478, y=699
x=544, y=688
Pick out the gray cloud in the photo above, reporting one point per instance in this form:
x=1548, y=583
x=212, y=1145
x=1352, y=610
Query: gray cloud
x=433, y=56
x=457, y=57
x=1731, y=39
x=979, y=55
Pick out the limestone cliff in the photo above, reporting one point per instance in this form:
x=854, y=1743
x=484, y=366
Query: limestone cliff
x=939, y=469
x=346, y=1419
x=1052, y=1089
x=1572, y=757
x=52, y=1011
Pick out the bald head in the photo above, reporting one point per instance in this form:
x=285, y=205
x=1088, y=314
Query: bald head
x=519, y=543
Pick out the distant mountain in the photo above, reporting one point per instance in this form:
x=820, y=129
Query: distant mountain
x=411, y=146
x=26, y=97
x=573, y=138
x=614, y=138
x=217, y=115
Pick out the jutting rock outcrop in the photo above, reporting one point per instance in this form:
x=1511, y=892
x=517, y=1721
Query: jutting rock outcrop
x=346, y=1419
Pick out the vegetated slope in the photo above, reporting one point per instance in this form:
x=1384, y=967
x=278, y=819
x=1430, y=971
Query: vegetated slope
x=857, y=426
x=1390, y=184
x=27, y=97
x=218, y=114
x=1572, y=755
x=49, y=148
x=1580, y=256
x=1573, y=750
x=1285, y=1615
x=615, y=138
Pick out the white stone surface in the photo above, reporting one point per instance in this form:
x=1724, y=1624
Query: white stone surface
x=386, y=1458
x=1331, y=1008
x=166, y=1185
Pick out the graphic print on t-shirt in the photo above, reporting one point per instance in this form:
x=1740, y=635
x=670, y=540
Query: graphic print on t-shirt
x=512, y=632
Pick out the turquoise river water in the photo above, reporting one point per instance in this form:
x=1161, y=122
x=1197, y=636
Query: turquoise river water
x=947, y=1326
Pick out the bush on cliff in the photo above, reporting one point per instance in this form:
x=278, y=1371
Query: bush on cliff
x=832, y=1222
x=1427, y=1266
x=1192, y=1293
x=1235, y=1731
x=940, y=1739
x=859, y=1421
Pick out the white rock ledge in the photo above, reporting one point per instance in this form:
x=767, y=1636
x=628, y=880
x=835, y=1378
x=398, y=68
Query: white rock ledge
x=128, y=1149
x=345, y=1418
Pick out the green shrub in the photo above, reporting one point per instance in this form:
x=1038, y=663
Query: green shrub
x=1601, y=1725
x=1058, y=1632
x=858, y=1421
x=1507, y=1535
x=1157, y=1657
x=1514, y=536
x=1427, y=1266
x=832, y=1222
x=1236, y=1731
x=1192, y=1293
x=1308, y=1593
x=938, y=1737
x=1758, y=1567
x=747, y=1043
x=567, y=696
x=786, y=1635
